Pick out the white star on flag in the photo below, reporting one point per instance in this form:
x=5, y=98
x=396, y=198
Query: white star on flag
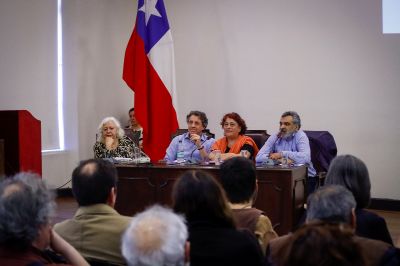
x=149, y=9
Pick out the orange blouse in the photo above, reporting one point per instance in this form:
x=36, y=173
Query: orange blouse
x=222, y=143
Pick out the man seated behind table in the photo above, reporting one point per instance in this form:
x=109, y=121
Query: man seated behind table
x=196, y=144
x=96, y=228
x=238, y=178
x=111, y=140
x=136, y=128
x=291, y=143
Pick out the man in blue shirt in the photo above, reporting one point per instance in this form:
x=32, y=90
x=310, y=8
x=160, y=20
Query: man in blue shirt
x=291, y=143
x=196, y=144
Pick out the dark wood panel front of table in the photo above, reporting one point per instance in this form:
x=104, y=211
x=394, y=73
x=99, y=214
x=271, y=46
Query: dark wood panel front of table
x=281, y=193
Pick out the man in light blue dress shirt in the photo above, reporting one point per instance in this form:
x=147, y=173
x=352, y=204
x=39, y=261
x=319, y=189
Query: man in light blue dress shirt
x=291, y=143
x=196, y=144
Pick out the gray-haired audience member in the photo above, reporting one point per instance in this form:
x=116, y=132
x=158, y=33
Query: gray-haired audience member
x=26, y=208
x=156, y=237
x=331, y=204
x=335, y=205
x=352, y=173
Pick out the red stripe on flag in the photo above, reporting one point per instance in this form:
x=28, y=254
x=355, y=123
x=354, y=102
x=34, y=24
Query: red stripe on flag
x=153, y=103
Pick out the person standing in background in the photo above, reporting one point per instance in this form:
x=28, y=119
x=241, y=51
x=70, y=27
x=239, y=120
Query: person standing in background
x=135, y=128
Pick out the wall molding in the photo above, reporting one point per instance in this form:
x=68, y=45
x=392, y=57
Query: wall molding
x=384, y=204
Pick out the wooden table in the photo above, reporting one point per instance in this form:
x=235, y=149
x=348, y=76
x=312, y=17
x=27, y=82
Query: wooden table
x=281, y=191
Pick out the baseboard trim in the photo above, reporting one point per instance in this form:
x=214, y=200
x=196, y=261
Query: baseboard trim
x=384, y=204
x=64, y=192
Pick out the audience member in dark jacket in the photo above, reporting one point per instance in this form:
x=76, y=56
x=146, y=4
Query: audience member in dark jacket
x=352, y=173
x=331, y=206
x=213, y=238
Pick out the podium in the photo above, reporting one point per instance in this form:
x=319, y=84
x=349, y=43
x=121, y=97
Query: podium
x=22, y=144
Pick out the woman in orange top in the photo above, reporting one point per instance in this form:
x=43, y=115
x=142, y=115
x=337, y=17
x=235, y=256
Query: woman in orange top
x=234, y=139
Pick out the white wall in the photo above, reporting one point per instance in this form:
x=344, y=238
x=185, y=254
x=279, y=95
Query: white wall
x=328, y=60
x=28, y=62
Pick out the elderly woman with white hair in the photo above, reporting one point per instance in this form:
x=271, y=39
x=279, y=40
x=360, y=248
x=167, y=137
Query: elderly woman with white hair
x=111, y=140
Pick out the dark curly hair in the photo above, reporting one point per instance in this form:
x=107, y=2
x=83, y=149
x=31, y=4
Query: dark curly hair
x=201, y=115
x=238, y=119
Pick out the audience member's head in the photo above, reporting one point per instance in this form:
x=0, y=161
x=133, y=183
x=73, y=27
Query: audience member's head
x=352, y=173
x=26, y=207
x=94, y=181
x=109, y=127
x=154, y=237
x=199, y=196
x=323, y=244
x=332, y=204
x=238, y=178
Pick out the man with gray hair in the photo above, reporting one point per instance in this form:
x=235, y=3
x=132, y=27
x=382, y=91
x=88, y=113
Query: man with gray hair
x=335, y=205
x=332, y=204
x=26, y=209
x=156, y=237
x=291, y=145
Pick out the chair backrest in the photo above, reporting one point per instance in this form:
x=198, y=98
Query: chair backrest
x=259, y=136
x=180, y=131
x=133, y=135
x=323, y=149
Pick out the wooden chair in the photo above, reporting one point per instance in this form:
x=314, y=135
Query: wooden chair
x=134, y=136
x=323, y=150
x=259, y=136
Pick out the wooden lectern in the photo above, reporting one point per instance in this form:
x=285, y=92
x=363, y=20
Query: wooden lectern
x=21, y=134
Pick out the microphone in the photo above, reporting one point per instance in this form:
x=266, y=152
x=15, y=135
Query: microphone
x=191, y=154
x=279, y=137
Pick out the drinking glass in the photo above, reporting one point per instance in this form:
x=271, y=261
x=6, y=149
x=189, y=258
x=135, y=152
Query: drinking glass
x=217, y=158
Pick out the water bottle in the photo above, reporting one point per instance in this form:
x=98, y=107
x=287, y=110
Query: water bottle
x=180, y=156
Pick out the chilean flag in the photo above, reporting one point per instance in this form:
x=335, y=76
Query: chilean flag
x=149, y=70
